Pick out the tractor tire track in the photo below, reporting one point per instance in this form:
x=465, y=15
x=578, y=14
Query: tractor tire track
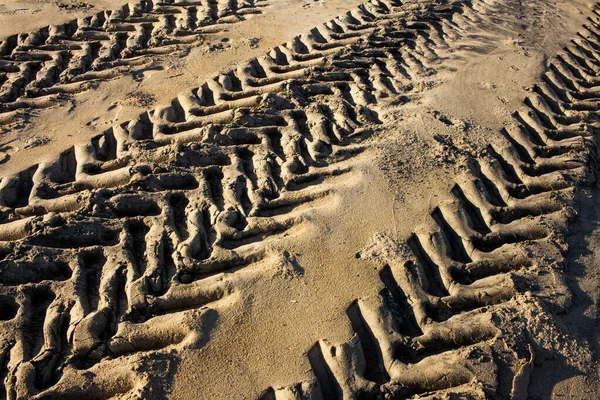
x=439, y=327
x=36, y=68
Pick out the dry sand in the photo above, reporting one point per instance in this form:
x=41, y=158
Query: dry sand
x=299, y=200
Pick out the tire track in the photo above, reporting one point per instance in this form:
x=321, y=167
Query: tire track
x=394, y=67
x=150, y=226
x=36, y=68
x=440, y=326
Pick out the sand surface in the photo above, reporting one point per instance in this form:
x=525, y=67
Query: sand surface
x=277, y=199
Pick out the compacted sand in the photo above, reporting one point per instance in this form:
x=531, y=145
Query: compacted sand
x=279, y=199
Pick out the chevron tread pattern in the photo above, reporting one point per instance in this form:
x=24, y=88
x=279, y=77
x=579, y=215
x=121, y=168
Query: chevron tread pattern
x=433, y=331
x=38, y=67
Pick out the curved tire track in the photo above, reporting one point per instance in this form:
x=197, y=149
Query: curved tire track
x=439, y=328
